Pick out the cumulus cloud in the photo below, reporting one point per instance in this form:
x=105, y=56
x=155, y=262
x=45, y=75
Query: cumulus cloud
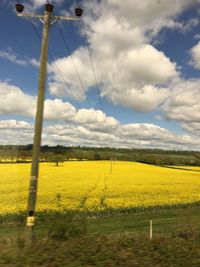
x=93, y=127
x=183, y=104
x=153, y=135
x=128, y=67
x=195, y=54
x=143, y=99
x=57, y=109
x=95, y=120
x=131, y=72
x=64, y=81
x=11, y=56
x=14, y=101
x=14, y=124
x=130, y=79
x=15, y=132
x=146, y=12
x=128, y=135
x=33, y=5
x=141, y=135
x=192, y=127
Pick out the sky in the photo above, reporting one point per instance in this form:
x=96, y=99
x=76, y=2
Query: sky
x=126, y=75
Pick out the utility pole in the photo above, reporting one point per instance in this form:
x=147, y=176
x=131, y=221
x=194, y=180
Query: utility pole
x=111, y=165
x=47, y=19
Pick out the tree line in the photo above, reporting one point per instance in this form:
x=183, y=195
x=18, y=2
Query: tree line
x=22, y=153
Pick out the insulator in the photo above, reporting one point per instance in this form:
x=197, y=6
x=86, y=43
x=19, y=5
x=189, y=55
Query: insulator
x=19, y=8
x=78, y=11
x=49, y=7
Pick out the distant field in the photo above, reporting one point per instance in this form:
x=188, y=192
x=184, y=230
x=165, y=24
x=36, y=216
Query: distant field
x=97, y=186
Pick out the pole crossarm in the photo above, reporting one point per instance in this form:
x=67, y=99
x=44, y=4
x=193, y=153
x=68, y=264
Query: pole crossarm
x=56, y=18
x=65, y=18
x=31, y=16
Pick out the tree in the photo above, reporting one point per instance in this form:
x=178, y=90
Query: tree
x=52, y=157
x=47, y=156
x=58, y=158
x=97, y=156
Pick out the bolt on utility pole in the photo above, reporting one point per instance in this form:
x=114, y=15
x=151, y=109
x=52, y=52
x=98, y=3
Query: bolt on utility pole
x=47, y=19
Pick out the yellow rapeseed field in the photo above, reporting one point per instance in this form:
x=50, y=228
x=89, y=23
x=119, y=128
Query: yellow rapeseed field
x=95, y=186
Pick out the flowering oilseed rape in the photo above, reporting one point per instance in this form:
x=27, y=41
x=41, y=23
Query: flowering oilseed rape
x=93, y=186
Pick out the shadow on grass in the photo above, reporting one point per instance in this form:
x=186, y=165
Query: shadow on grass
x=178, y=168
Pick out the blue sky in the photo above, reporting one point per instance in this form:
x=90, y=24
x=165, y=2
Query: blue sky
x=146, y=57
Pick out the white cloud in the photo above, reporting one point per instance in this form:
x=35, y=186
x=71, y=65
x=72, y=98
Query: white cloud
x=95, y=120
x=14, y=124
x=15, y=132
x=64, y=81
x=155, y=136
x=192, y=128
x=141, y=66
x=129, y=135
x=183, y=104
x=57, y=109
x=133, y=78
x=93, y=127
x=141, y=135
x=14, y=101
x=149, y=16
x=9, y=55
x=128, y=79
x=33, y=5
x=130, y=71
x=143, y=99
x=195, y=54
x=143, y=13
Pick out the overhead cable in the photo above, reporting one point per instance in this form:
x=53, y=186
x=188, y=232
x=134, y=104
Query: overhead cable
x=73, y=63
x=92, y=65
x=57, y=68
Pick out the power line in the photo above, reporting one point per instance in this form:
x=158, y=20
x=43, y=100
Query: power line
x=57, y=68
x=54, y=63
x=78, y=75
x=75, y=68
x=60, y=73
x=73, y=63
x=92, y=65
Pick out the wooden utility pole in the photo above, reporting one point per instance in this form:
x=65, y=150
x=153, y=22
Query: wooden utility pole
x=151, y=229
x=47, y=19
x=111, y=163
